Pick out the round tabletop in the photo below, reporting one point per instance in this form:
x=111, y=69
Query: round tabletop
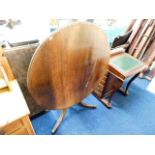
x=67, y=66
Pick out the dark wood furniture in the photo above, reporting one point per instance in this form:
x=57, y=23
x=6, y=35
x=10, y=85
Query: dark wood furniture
x=67, y=67
x=121, y=67
x=140, y=44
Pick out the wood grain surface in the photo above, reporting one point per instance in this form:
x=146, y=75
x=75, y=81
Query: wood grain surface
x=67, y=65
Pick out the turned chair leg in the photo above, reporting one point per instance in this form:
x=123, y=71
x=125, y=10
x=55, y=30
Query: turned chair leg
x=57, y=124
x=86, y=105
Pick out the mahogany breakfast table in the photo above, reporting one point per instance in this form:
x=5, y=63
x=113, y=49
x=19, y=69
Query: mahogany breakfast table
x=67, y=66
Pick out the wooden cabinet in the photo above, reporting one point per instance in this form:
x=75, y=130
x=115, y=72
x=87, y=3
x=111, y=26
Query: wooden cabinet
x=112, y=84
x=21, y=126
x=14, y=113
x=105, y=91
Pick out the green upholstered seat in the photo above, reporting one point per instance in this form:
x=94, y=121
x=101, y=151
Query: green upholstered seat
x=125, y=63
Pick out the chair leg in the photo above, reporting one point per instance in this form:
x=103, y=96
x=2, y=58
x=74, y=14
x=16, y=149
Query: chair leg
x=125, y=92
x=57, y=124
x=86, y=105
x=106, y=102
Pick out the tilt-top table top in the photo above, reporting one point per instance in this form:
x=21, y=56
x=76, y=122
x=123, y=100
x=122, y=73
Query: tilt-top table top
x=67, y=65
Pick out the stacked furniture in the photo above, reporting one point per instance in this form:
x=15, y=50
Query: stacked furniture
x=141, y=42
x=139, y=45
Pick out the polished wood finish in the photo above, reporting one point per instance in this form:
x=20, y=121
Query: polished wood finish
x=88, y=106
x=64, y=111
x=108, y=88
x=140, y=45
x=60, y=119
x=115, y=79
x=68, y=65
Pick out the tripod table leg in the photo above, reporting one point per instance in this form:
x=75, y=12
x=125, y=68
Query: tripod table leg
x=57, y=124
x=87, y=105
